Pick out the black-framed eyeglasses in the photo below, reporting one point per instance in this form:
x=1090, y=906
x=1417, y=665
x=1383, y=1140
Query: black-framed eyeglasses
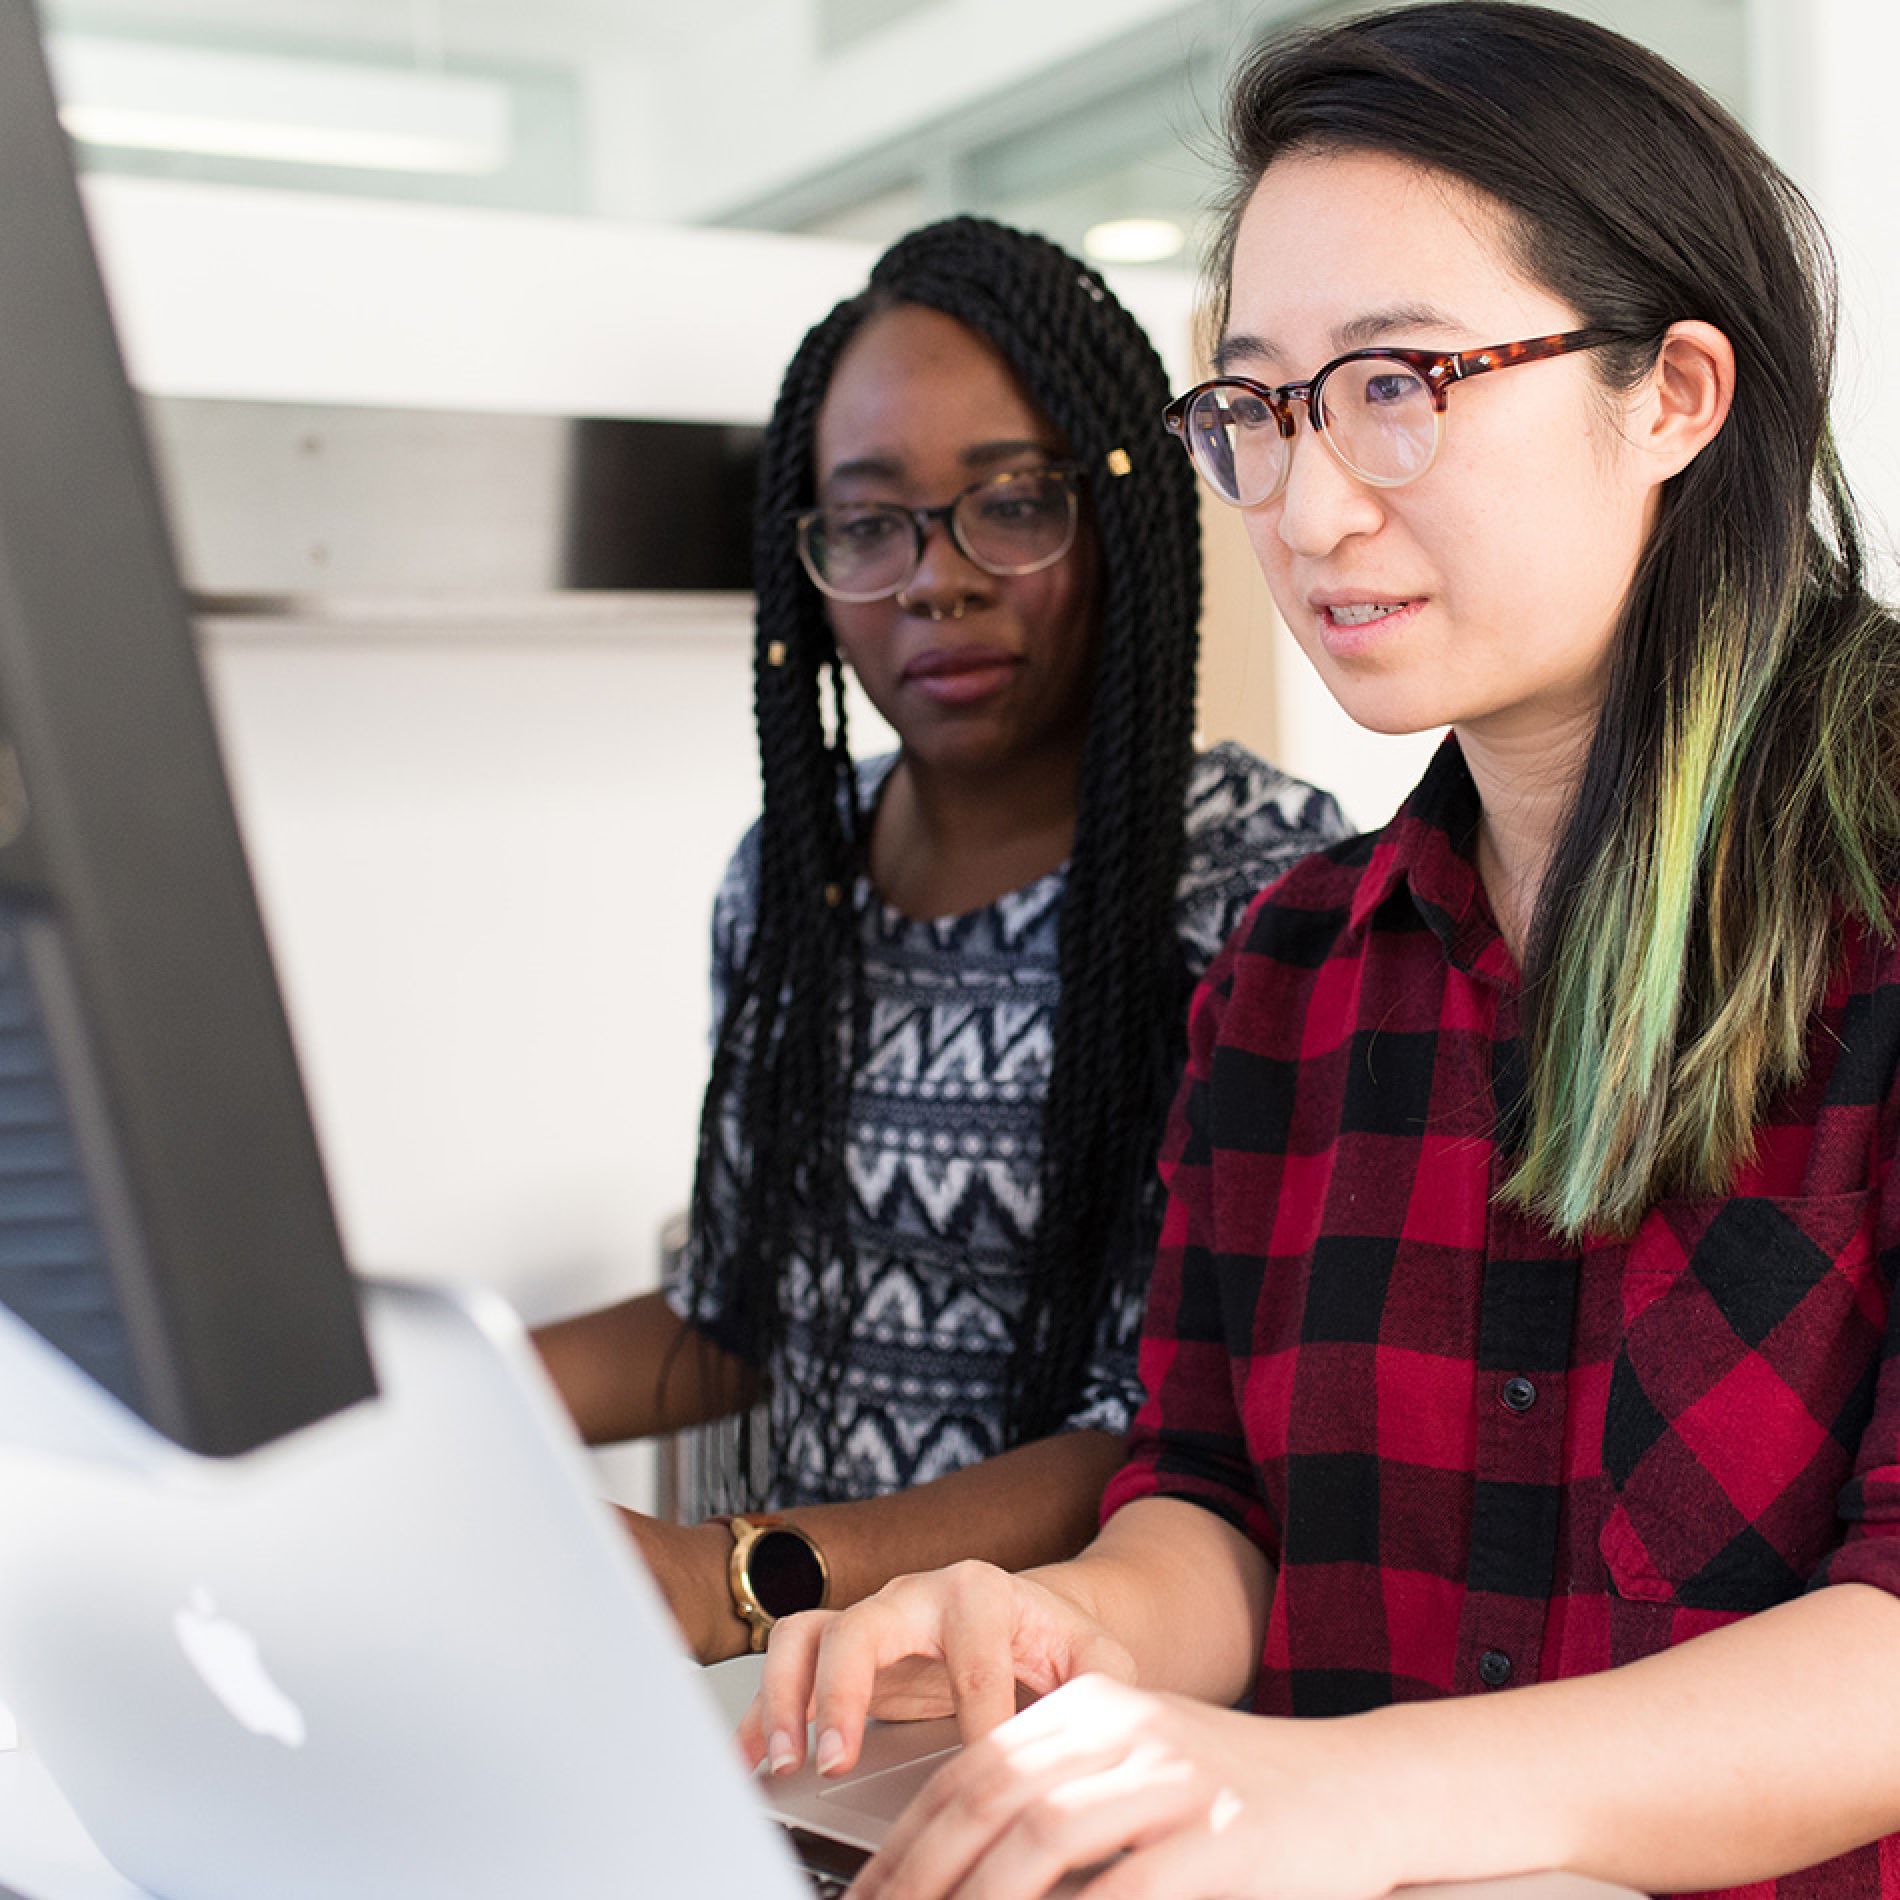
x=1380, y=411
x=1018, y=522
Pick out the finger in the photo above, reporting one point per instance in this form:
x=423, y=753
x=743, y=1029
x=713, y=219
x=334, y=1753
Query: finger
x=896, y=1624
x=776, y=1719
x=948, y=1827
x=979, y=1650
x=1093, y=1704
x=750, y=1734
x=970, y=1801
x=914, y=1689
x=1084, y=1819
x=1054, y=1642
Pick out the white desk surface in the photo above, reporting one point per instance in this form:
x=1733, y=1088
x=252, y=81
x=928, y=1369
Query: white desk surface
x=46, y=1855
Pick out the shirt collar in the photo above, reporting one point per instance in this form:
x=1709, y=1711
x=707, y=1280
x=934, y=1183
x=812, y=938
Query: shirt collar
x=1430, y=850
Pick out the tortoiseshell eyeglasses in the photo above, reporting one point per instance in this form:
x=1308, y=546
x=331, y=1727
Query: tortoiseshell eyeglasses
x=1381, y=412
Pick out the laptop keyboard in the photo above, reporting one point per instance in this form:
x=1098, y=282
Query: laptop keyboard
x=829, y=1865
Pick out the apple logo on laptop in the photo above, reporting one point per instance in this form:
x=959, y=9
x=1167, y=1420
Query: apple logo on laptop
x=225, y=1655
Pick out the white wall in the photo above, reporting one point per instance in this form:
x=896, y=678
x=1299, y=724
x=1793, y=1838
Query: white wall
x=487, y=862
x=1823, y=78
x=279, y=296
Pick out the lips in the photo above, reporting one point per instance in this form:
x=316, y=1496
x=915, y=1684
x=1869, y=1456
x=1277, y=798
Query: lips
x=960, y=676
x=1357, y=623
x=1360, y=606
x=942, y=662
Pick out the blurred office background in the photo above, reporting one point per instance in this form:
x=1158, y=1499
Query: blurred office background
x=456, y=320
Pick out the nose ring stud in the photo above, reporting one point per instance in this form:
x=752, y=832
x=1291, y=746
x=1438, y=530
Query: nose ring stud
x=933, y=613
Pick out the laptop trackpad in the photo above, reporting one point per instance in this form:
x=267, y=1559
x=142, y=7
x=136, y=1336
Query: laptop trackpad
x=884, y=1794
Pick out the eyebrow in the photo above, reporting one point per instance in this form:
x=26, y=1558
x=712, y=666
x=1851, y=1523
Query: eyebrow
x=864, y=468
x=979, y=455
x=1357, y=333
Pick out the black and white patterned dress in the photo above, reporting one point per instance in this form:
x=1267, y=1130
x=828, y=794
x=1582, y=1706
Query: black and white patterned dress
x=944, y=1151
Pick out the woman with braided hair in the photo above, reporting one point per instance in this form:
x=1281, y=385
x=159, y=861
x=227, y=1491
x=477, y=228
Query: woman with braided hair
x=949, y=984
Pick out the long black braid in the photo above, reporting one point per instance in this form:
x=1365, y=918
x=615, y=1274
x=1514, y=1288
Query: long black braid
x=794, y=1017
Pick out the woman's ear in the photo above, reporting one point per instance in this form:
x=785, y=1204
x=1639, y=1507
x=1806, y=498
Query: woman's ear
x=1687, y=395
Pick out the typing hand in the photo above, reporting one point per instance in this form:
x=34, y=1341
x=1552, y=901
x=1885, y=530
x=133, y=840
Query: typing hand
x=1183, y=1800
x=951, y=1642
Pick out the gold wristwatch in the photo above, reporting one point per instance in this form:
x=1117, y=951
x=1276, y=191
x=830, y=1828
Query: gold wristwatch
x=774, y=1569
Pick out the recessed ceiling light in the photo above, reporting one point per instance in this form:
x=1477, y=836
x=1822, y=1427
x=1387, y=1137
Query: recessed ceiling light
x=308, y=112
x=1134, y=241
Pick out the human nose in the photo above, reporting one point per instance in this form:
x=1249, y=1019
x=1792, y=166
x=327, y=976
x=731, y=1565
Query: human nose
x=944, y=572
x=1322, y=503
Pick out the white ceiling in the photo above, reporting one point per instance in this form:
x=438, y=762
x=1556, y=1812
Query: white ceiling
x=565, y=31
x=733, y=110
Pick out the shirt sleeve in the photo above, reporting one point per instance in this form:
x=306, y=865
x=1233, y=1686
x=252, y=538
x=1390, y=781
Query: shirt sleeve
x=1188, y=1440
x=697, y=1281
x=1868, y=1505
x=1247, y=823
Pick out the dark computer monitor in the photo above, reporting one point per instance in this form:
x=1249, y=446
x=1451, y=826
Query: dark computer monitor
x=163, y=1213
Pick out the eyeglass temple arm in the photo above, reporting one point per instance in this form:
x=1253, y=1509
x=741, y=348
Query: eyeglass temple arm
x=1460, y=365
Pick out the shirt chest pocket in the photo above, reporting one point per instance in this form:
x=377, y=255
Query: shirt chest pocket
x=1751, y=1331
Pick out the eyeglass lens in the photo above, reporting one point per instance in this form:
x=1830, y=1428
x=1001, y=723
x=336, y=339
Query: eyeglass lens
x=1014, y=523
x=1377, y=414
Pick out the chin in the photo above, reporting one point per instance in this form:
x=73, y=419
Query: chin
x=1392, y=713
x=963, y=746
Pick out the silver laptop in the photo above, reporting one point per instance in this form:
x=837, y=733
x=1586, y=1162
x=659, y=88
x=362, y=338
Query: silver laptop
x=402, y=1653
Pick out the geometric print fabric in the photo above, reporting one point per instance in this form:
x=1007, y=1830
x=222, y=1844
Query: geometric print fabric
x=944, y=1145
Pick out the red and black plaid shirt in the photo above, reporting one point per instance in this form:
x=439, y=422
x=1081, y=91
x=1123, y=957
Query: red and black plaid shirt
x=1477, y=1454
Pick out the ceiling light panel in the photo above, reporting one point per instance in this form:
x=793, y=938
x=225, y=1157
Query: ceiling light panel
x=143, y=96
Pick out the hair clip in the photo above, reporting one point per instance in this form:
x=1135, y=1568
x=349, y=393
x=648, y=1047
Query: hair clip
x=775, y=653
x=1088, y=283
x=1119, y=462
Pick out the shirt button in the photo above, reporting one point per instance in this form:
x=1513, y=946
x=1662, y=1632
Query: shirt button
x=1519, y=1394
x=1494, y=1669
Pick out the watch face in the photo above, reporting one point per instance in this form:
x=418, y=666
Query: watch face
x=785, y=1574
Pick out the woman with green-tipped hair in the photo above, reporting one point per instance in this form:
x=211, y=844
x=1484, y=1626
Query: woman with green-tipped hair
x=1522, y=1357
